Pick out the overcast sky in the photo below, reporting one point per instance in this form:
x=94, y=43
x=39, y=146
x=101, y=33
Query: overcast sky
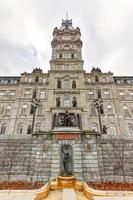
x=26, y=32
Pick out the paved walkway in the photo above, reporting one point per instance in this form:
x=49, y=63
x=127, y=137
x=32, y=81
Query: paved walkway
x=115, y=198
x=54, y=195
x=17, y=195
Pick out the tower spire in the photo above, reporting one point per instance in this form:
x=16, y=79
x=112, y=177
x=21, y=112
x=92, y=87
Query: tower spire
x=66, y=15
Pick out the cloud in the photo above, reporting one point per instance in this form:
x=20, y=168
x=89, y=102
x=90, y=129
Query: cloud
x=26, y=33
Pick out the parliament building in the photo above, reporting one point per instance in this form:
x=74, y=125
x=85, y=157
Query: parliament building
x=66, y=110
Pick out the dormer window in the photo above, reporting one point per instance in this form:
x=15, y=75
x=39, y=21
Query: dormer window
x=96, y=79
x=36, y=79
x=30, y=79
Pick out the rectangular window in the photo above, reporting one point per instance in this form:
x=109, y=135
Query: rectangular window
x=24, y=109
x=8, y=110
x=44, y=80
x=113, y=129
x=66, y=84
x=94, y=127
x=122, y=96
x=109, y=109
x=27, y=93
x=38, y=126
x=130, y=128
x=40, y=110
x=2, y=93
x=90, y=94
x=66, y=101
x=66, y=67
x=107, y=94
x=20, y=128
x=43, y=95
x=3, y=128
x=89, y=80
x=131, y=94
x=126, y=111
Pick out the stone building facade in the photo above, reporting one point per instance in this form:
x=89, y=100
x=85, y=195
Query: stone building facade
x=66, y=107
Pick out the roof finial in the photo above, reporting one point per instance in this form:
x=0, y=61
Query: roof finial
x=66, y=15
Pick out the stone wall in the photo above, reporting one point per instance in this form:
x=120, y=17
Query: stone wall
x=25, y=159
x=117, y=154
x=95, y=158
x=109, y=158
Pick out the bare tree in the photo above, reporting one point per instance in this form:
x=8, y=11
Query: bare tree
x=8, y=157
x=118, y=150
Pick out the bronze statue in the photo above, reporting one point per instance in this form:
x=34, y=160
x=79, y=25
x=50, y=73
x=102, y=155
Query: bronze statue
x=59, y=84
x=68, y=119
x=66, y=161
x=58, y=102
x=74, y=84
x=74, y=102
x=105, y=129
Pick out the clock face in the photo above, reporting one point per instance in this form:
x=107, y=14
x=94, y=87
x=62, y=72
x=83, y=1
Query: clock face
x=66, y=47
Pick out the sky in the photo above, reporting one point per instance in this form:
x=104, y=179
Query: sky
x=27, y=26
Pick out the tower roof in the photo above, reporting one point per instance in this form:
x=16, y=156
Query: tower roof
x=66, y=24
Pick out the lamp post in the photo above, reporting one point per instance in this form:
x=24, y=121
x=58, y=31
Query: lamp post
x=99, y=106
x=35, y=104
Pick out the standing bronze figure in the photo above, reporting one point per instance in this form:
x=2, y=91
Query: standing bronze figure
x=66, y=162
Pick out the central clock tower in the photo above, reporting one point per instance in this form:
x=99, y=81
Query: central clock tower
x=66, y=48
x=67, y=97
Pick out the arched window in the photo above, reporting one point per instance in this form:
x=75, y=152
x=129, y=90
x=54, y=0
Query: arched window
x=3, y=128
